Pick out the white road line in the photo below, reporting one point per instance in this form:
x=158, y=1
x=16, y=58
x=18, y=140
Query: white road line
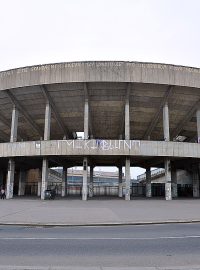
x=100, y=238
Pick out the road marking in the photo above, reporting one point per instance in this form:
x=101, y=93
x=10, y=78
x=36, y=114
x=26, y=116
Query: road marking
x=100, y=238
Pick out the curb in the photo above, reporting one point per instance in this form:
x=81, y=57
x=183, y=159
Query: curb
x=99, y=224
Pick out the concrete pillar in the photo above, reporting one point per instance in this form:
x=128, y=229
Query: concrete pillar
x=47, y=123
x=1, y=179
x=22, y=181
x=85, y=160
x=198, y=125
x=195, y=181
x=45, y=173
x=39, y=189
x=128, y=179
x=10, y=179
x=168, y=183
x=14, y=125
x=148, y=183
x=86, y=119
x=85, y=172
x=174, y=183
x=11, y=162
x=120, y=183
x=64, y=179
x=91, y=191
x=127, y=120
x=45, y=169
x=166, y=122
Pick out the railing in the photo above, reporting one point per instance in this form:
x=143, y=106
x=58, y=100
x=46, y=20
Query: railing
x=154, y=173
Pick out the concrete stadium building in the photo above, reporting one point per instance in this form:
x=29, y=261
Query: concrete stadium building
x=131, y=113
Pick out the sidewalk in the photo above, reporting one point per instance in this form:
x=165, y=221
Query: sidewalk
x=97, y=211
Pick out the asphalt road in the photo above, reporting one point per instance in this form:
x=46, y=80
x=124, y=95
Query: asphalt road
x=110, y=246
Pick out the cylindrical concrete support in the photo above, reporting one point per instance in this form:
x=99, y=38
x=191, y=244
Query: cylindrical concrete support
x=120, y=192
x=39, y=188
x=127, y=120
x=47, y=124
x=168, y=183
x=11, y=162
x=1, y=179
x=166, y=122
x=10, y=179
x=45, y=163
x=86, y=119
x=174, y=183
x=64, y=182
x=45, y=173
x=85, y=174
x=128, y=179
x=195, y=181
x=22, y=180
x=198, y=125
x=148, y=183
x=91, y=192
x=14, y=125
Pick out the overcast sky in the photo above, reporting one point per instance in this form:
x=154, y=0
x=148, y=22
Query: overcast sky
x=44, y=31
x=47, y=31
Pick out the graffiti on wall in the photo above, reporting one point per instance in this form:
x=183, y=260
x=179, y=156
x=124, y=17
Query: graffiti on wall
x=105, y=145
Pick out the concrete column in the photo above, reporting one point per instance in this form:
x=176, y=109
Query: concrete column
x=168, y=183
x=11, y=162
x=85, y=172
x=10, y=179
x=91, y=191
x=128, y=179
x=22, y=180
x=120, y=183
x=127, y=120
x=1, y=179
x=148, y=183
x=14, y=125
x=195, y=181
x=45, y=169
x=47, y=124
x=39, y=189
x=198, y=125
x=86, y=119
x=64, y=179
x=45, y=173
x=174, y=183
x=166, y=122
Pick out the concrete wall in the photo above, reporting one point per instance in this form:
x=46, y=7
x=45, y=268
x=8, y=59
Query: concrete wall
x=109, y=147
x=100, y=71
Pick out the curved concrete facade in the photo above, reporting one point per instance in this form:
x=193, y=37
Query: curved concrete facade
x=100, y=72
x=131, y=113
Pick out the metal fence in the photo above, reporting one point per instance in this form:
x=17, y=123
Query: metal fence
x=185, y=190
x=158, y=190
x=105, y=190
x=73, y=190
x=137, y=190
x=55, y=186
x=31, y=189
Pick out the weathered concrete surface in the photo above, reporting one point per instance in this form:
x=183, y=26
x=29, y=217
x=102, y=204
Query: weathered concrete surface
x=105, y=148
x=100, y=71
x=118, y=211
x=108, y=84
